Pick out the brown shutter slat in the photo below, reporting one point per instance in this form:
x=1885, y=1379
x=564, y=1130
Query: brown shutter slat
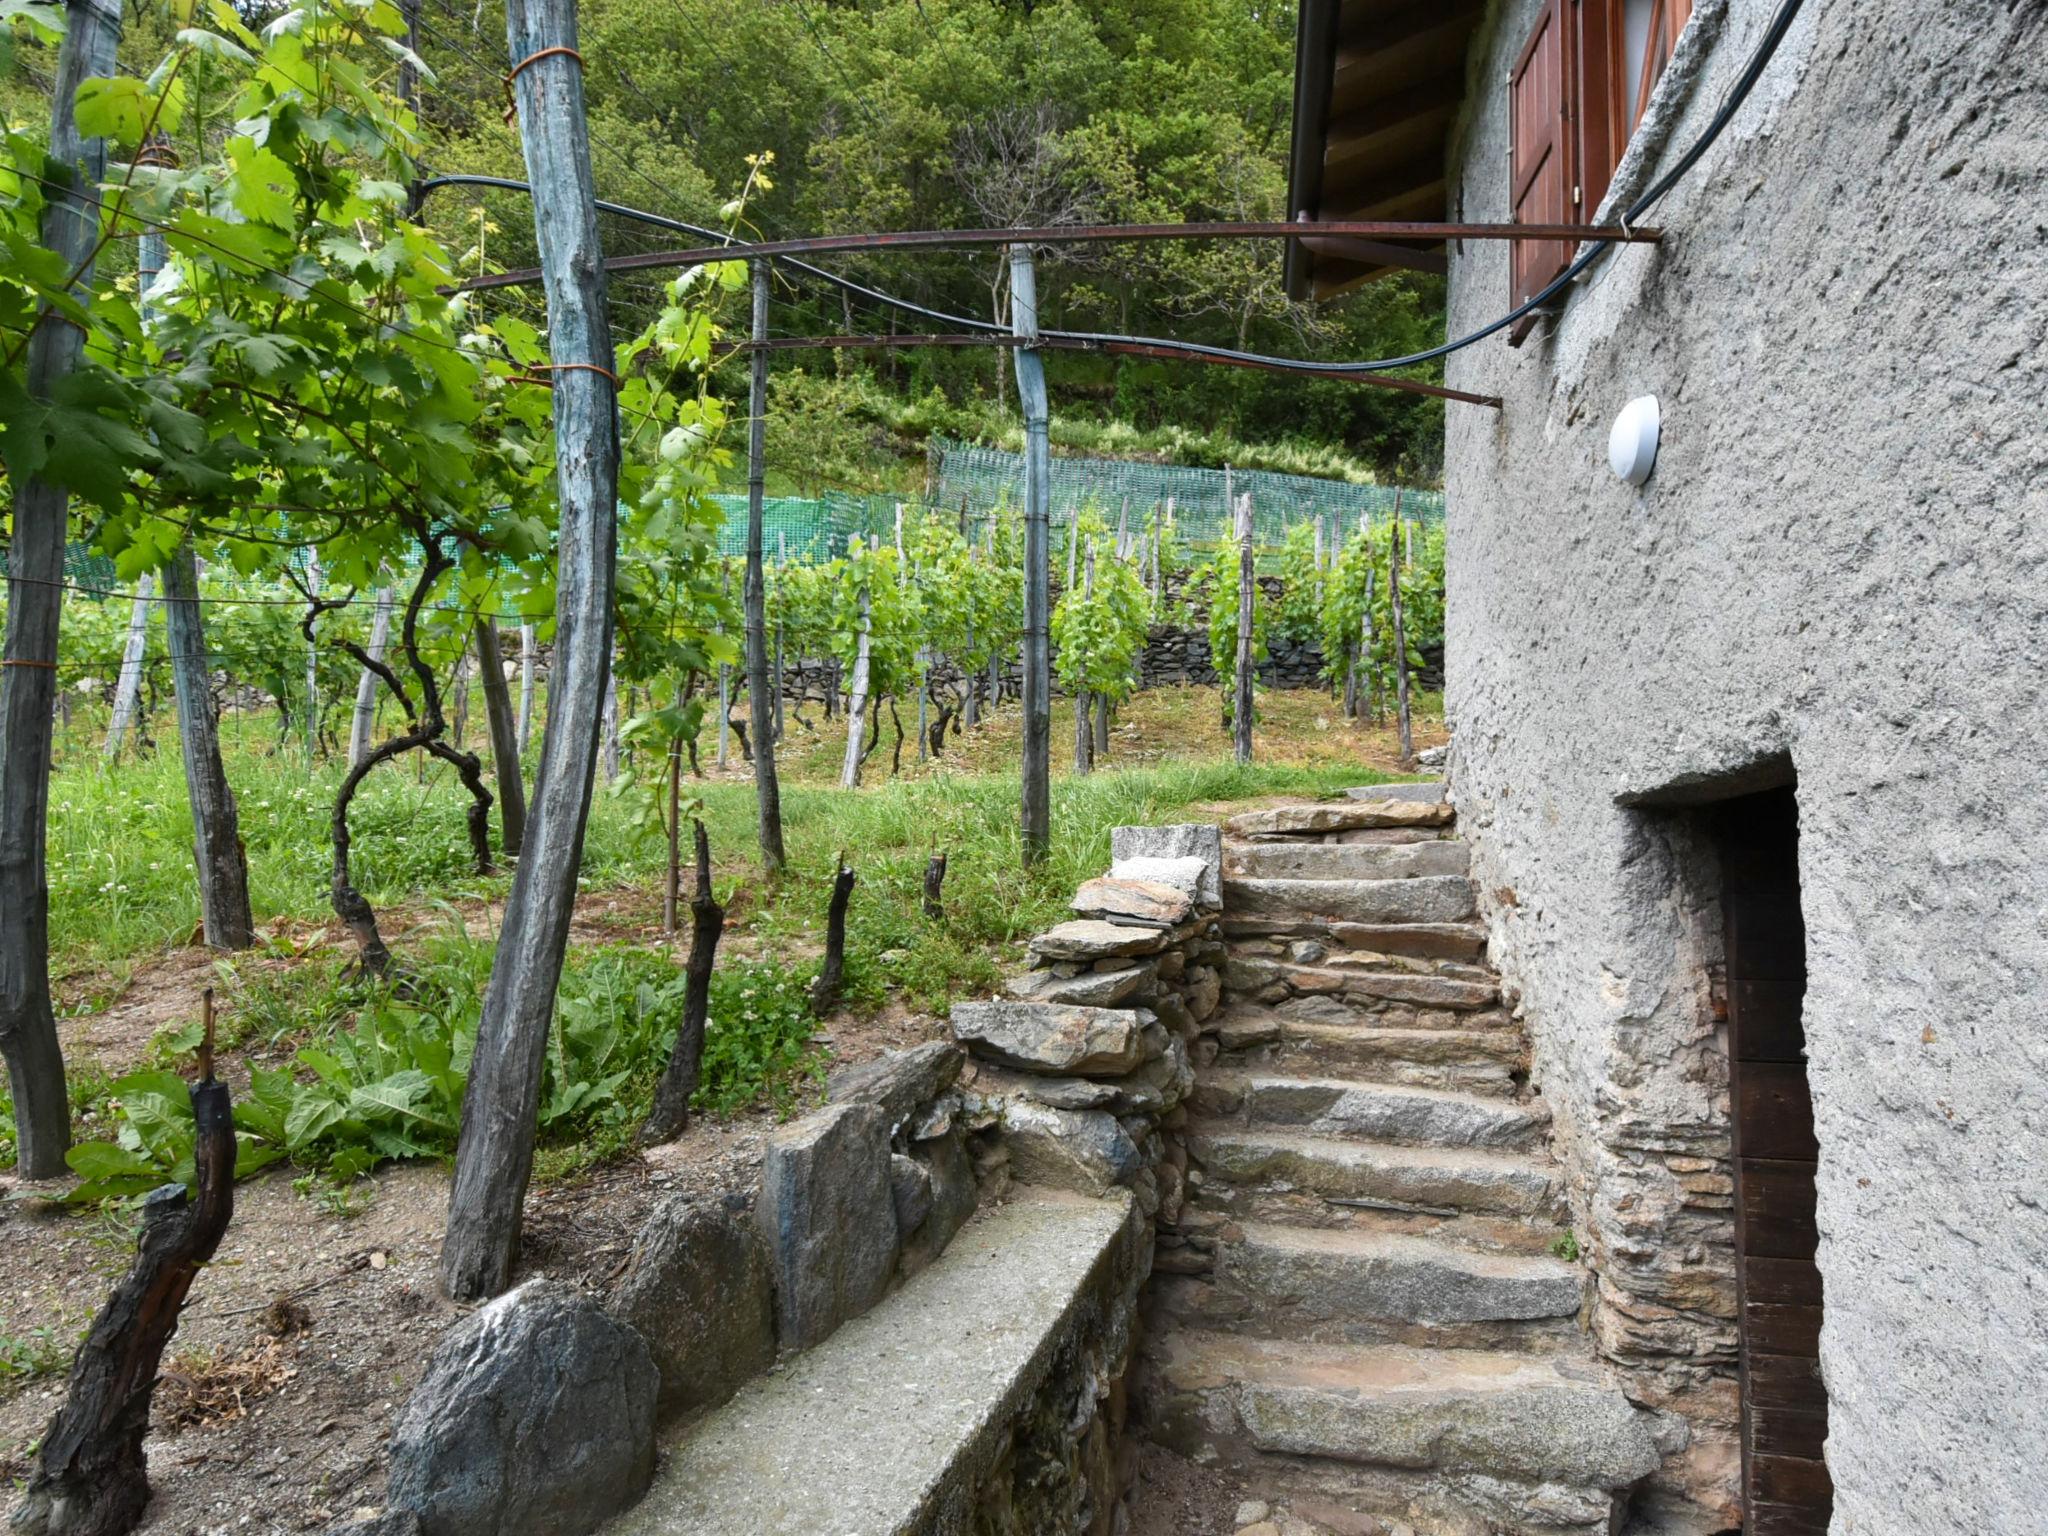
x=1540, y=154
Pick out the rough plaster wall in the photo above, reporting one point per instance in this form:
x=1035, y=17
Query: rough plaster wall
x=1844, y=555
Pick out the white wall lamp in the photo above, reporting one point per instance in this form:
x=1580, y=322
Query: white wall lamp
x=1632, y=445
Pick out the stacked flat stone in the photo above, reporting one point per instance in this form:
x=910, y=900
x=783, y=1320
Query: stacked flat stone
x=1081, y=1070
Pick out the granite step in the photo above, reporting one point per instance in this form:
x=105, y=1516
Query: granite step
x=1361, y=1110
x=1466, y=1060
x=1361, y=1286
x=1345, y=861
x=1377, y=1174
x=1415, y=899
x=1426, y=941
x=1312, y=820
x=1362, y=986
x=1428, y=791
x=1521, y=1442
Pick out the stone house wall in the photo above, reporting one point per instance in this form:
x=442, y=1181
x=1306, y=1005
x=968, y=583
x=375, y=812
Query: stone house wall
x=1841, y=562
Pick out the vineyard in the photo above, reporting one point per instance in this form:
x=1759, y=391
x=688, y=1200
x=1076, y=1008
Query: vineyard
x=395, y=688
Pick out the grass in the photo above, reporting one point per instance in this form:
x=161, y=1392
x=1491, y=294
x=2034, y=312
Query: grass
x=121, y=884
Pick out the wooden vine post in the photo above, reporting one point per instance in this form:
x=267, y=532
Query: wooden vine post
x=223, y=869
x=1031, y=395
x=857, y=694
x=670, y=1116
x=494, y=1157
x=28, y=672
x=90, y=1476
x=766, y=716
x=1241, y=700
x=1402, y=718
x=527, y=646
x=1084, y=734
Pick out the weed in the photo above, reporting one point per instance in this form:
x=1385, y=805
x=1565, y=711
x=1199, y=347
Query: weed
x=1566, y=1246
x=39, y=1352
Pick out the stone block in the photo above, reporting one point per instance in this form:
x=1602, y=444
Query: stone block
x=1085, y=1150
x=697, y=1288
x=1187, y=840
x=535, y=1417
x=1133, y=903
x=1092, y=939
x=949, y=1175
x=1429, y=792
x=1317, y=820
x=1090, y=989
x=899, y=1082
x=1050, y=1038
x=828, y=1217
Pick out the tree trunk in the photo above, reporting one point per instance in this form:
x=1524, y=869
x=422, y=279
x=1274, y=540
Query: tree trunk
x=832, y=970
x=857, y=699
x=1101, y=726
x=28, y=678
x=490, y=662
x=361, y=724
x=670, y=1116
x=91, y=1478
x=217, y=851
x=1031, y=395
x=128, y=684
x=494, y=1158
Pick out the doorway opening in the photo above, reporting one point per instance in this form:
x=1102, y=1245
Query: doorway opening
x=1786, y=1490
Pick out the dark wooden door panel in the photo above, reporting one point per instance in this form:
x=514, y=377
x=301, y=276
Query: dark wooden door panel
x=1763, y=1019
x=1788, y=1520
x=1791, y=1480
x=1766, y=939
x=1788, y=1431
x=1780, y=1330
x=1774, y=1112
x=1786, y=1382
x=1782, y=1282
x=1777, y=1210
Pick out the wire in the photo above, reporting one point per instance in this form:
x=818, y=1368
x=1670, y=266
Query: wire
x=1738, y=93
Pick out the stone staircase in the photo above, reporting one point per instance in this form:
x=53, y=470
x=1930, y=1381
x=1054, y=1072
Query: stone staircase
x=1370, y=1308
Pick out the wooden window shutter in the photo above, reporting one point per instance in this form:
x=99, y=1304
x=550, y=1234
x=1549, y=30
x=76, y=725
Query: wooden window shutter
x=1540, y=149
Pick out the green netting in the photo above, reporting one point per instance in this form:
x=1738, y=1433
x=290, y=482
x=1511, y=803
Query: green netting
x=813, y=527
x=1199, y=498
x=91, y=575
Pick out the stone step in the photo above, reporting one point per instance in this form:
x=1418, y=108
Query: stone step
x=1279, y=1281
x=1431, y=1179
x=1320, y=819
x=1427, y=941
x=1339, y=1106
x=1469, y=1060
x=1420, y=899
x=1345, y=861
x=1428, y=791
x=1490, y=1426
x=1363, y=987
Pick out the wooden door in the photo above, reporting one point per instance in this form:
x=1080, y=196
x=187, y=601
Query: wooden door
x=1786, y=1490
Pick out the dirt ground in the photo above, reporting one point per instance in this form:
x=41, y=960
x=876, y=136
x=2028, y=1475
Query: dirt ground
x=316, y=1317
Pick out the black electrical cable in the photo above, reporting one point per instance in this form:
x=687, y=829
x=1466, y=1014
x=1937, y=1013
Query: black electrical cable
x=1744, y=84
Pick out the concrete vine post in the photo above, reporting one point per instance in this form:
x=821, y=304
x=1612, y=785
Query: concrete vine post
x=857, y=696
x=767, y=717
x=1084, y=737
x=526, y=650
x=1031, y=395
x=494, y=1156
x=1406, y=725
x=28, y=674
x=128, y=685
x=312, y=664
x=1241, y=703
x=366, y=686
